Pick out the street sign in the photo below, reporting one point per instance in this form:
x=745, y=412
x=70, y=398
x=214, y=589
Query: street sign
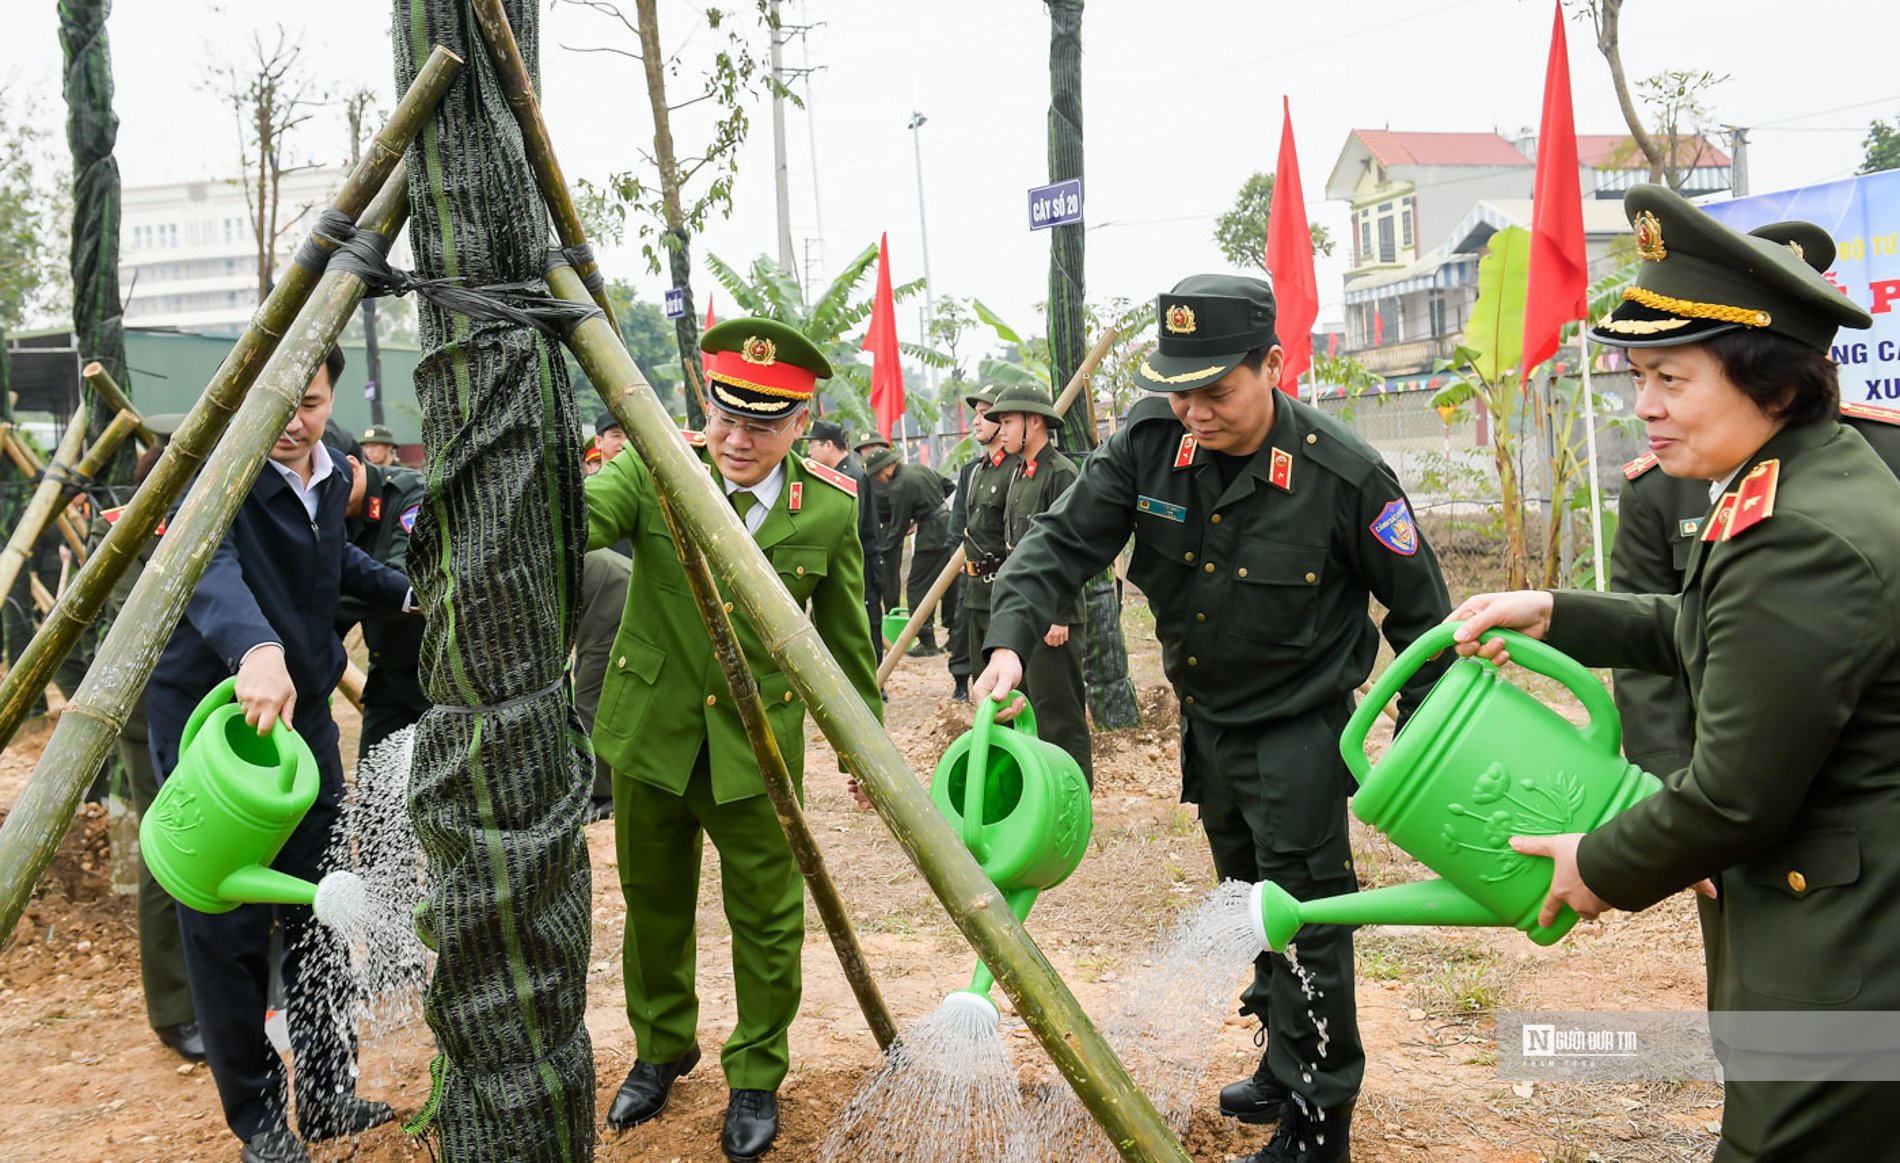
x=1056, y=205
x=675, y=302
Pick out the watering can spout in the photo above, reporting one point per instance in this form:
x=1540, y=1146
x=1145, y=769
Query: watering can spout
x=255, y=884
x=1277, y=916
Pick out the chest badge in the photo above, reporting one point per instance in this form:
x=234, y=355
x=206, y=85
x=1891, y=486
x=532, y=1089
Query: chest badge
x=1688, y=526
x=1395, y=529
x=1280, y=469
x=375, y=508
x=1184, y=455
x=1156, y=507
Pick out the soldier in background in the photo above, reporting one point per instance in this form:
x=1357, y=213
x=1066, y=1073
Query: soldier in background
x=919, y=503
x=825, y=443
x=988, y=440
x=379, y=446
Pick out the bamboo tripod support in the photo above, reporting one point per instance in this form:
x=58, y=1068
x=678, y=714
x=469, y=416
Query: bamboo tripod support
x=195, y=439
x=920, y=617
x=745, y=690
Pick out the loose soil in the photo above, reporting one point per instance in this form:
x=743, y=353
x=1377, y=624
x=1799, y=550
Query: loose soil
x=83, y=1078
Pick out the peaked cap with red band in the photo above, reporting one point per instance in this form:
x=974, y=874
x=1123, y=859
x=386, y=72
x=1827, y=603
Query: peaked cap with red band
x=760, y=367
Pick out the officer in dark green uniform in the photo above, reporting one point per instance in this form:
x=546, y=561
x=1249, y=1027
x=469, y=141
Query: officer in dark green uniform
x=890, y=577
x=988, y=439
x=1787, y=630
x=1658, y=520
x=919, y=503
x=379, y=521
x=683, y=767
x=1052, y=674
x=1262, y=526
x=378, y=443
x=604, y=577
x=984, y=543
x=825, y=443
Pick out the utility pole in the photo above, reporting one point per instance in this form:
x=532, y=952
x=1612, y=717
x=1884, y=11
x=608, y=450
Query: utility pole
x=811, y=141
x=917, y=121
x=360, y=110
x=780, y=174
x=1738, y=159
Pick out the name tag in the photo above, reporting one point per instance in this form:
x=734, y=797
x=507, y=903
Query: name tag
x=1160, y=508
x=1688, y=526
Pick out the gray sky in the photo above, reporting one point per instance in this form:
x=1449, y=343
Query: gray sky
x=1182, y=101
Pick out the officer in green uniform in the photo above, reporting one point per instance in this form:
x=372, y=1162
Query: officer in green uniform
x=988, y=438
x=379, y=520
x=1658, y=520
x=1052, y=674
x=984, y=542
x=1787, y=630
x=1261, y=528
x=683, y=768
x=919, y=502
x=604, y=577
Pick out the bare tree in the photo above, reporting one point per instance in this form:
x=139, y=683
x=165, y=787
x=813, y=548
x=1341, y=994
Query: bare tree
x=270, y=96
x=1674, y=142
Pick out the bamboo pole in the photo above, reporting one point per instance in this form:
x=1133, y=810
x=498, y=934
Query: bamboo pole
x=513, y=71
x=920, y=617
x=29, y=465
x=123, y=425
x=976, y=906
x=42, y=597
x=96, y=713
x=108, y=388
x=199, y=433
x=45, y=502
x=351, y=685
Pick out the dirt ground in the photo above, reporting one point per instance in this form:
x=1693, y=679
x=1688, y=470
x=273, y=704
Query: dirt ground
x=83, y=1078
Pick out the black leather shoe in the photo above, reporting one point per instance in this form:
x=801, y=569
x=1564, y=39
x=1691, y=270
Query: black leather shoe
x=343, y=1115
x=1309, y=1135
x=1255, y=1101
x=751, y=1125
x=276, y=1145
x=962, y=693
x=185, y=1039
x=648, y=1087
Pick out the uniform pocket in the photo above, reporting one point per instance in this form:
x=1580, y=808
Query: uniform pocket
x=1277, y=595
x=1304, y=786
x=795, y=562
x=634, y=668
x=1796, y=917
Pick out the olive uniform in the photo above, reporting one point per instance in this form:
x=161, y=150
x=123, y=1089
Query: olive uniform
x=984, y=542
x=960, y=500
x=683, y=767
x=918, y=496
x=392, y=694
x=604, y=577
x=1787, y=632
x=1658, y=520
x=1259, y=584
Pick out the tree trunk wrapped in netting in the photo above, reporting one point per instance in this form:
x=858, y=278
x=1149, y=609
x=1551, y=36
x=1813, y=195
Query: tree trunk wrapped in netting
x=1111, y=691
x=92, y=129
x=500, y=782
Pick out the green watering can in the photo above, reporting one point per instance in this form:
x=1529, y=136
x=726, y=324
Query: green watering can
x=226, y=811
x=894, y=623
x=1027, y=820
x=1480, y=761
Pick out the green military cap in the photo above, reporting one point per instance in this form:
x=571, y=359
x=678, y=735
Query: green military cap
x=377, y=434
x=761, y=367
x=1205, y=326
x=1030, y=398
x=880, y=460
x=869, y=440
x=164, y=425
x=1700, y=278
x=986, y=394
x=825, y=430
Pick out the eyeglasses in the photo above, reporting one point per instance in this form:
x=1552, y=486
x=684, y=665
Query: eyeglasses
x=756, y=429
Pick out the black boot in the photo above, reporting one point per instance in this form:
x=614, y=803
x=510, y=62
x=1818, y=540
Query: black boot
x=962, y=693
x=1256, y=1100
x=648, y=1087
x=1307, y=1134
x=343, y=1115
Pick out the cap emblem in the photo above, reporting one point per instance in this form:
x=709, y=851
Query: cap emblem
x=1649, y=239
x=1180, y=320
x=760, y=351
x=1796, y=247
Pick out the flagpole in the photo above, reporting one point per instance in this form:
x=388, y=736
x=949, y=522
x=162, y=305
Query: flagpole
x=1590, y=447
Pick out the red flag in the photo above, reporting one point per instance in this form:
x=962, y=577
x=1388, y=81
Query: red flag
x=1378, y=328
x=1332, y=344
x=887, y=370
x=1290, y=261
x=1559, y=284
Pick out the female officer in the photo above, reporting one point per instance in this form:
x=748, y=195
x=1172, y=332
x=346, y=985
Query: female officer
x=1788, y=631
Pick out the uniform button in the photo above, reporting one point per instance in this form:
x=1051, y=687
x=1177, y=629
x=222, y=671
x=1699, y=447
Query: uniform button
x=1215, y=518
x=1797, y=882
x=1200, y=617
x=1312, y=438
x=1189, y=555
x=728, y=607
x=1311, y=578
x=622, y=664
x=1242, y=571
x=1192, y=661
x=1189, y=700
x=712, y=700
x=788, y=696
x=800, y=571
x=1210, y=567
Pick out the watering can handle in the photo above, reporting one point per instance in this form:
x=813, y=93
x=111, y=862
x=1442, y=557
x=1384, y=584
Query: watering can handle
x=220, y=695
x=1604, y=730
x=977, y=764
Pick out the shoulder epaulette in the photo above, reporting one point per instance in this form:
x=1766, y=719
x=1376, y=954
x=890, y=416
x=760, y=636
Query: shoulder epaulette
x=830, y=476
x=1874, y=412
x=1639, y=466
x=696, y=439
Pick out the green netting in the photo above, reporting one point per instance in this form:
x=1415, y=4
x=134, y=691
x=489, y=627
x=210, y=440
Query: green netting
x=497, y=791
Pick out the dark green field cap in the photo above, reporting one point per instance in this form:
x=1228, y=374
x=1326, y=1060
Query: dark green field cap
x=1204, y=327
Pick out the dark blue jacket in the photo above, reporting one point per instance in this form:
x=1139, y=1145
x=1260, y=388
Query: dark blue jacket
x=277, y=577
